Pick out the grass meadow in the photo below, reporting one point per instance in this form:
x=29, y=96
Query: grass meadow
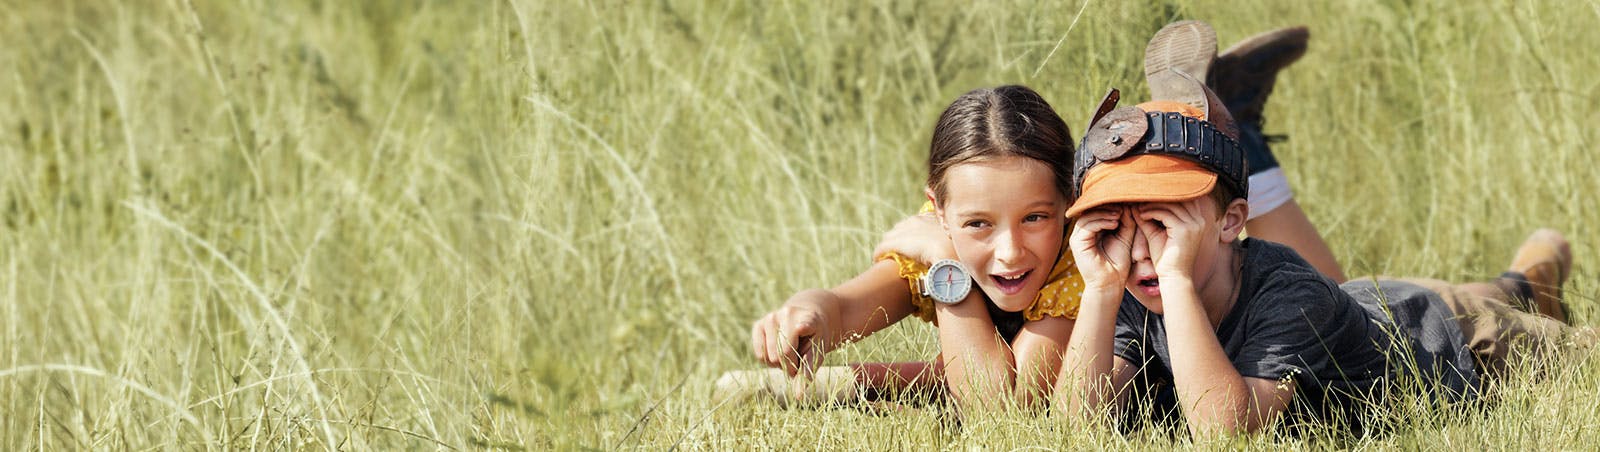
x=433, y=224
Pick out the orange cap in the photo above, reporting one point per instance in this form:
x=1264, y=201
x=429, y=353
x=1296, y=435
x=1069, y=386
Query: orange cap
x=1143, y=178
x=1146, y=177
x=1175, y=107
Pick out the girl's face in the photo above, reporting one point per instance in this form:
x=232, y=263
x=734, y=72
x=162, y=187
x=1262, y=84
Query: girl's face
x=1006, y=220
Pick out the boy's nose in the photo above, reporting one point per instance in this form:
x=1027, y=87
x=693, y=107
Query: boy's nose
x=1141, y=247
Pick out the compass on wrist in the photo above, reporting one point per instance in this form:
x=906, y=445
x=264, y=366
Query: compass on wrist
x=947, y=282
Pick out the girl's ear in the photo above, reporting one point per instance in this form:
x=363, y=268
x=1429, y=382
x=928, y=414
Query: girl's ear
x=1233, y=219
x=938, y=207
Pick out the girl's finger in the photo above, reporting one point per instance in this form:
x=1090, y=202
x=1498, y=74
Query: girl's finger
x=774, y=342
x=810, y=356
x=790, y=354
x=758, y=339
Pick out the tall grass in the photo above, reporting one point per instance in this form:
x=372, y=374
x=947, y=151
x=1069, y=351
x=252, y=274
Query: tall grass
x=438, y=224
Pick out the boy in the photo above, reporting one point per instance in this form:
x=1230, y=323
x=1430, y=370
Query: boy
x=1246, y=332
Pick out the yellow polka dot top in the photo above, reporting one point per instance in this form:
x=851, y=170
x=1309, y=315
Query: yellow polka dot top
x=1058, y=298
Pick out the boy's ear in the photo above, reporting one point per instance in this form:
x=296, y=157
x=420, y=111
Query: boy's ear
x=1234, y=218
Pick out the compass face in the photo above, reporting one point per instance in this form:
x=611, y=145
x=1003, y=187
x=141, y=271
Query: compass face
x=948, y=283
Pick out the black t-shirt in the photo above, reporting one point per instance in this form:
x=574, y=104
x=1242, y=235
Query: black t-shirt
x=1340, y=344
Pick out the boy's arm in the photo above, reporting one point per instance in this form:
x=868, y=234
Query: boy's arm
x=1215, y=398
x=1092, y=378
x=815, y=321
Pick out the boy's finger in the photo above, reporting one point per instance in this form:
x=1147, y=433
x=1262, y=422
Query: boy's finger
x=1126, y=233
x=1095, y=226
x=1098, y=212
x=1155, y=211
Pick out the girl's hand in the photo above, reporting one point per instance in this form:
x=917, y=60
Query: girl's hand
x=791, y=338
x=1174, y=231
x=919, y=238
x=1102, y=245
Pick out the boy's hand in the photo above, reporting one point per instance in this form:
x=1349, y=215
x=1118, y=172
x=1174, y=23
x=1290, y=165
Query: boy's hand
x=1102, y=245
x=1174, y=231
x=790, y=337
x=919, y=238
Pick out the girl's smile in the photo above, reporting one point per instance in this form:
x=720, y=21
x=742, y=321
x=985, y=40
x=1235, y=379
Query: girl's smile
x=1005, y=218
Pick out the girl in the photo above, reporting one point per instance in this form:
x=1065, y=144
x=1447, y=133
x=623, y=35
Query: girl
x=999, y=172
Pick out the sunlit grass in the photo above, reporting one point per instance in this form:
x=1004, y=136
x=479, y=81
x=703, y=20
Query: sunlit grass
x=548, y=224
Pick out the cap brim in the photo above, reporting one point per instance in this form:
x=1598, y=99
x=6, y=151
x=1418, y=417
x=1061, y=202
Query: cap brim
x=1143, y=178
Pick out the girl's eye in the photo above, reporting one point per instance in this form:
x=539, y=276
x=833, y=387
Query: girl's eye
x=1036, y=217
x=974, y=224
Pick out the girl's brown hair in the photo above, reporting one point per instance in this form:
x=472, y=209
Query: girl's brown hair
x=988, y=123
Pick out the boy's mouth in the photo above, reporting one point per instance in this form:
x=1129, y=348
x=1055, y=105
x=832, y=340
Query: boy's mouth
x=1011, y=285
x=1150, y=285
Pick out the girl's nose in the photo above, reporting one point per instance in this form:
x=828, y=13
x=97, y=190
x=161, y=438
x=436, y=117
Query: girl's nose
x=1007, y=248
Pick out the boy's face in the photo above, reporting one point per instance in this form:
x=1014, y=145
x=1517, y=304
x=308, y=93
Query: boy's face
x=1006, y=220
x=1154, y=241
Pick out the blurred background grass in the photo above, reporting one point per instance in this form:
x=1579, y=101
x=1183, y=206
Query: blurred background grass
x=446, y=224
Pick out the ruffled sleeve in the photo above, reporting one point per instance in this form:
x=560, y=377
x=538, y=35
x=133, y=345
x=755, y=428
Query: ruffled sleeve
x=912, y=271
x=1061, y=293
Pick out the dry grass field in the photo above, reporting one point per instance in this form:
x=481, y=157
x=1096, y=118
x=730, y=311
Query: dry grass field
x=420, y=224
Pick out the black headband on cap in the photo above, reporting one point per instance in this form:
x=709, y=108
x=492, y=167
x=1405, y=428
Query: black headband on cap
x=1119, y=133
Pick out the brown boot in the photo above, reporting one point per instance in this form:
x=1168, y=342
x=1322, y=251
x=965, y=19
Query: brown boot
x=1545, y=259
x=1244, y=74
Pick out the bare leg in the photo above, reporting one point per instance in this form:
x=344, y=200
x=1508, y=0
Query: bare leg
x=1288, y=225
x=1243, y=76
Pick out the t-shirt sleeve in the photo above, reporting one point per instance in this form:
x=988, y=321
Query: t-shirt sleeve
x=1292, y=329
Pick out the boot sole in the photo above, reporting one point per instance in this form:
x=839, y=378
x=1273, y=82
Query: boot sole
x=1187, y=46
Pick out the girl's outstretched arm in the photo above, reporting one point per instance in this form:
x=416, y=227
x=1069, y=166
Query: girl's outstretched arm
x=813, y=322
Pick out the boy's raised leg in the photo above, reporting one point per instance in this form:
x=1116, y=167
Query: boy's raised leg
x=1544, y=261
x=1497, y=318
x=1243, y=77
